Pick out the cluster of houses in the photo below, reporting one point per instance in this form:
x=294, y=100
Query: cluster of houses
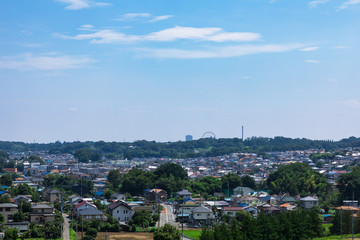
x=259, y=166
x=187, y=208
x=197, y=211
x=40, y=213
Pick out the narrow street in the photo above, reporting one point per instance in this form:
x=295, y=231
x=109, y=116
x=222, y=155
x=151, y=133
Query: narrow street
x=65, y=234
x=167, y=216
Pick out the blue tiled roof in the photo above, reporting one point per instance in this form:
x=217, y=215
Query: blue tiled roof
x=99, y=193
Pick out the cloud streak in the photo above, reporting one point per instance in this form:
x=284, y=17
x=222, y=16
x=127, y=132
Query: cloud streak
x=314, y=4
x=81, y=4
x=133, y=16
x=349, y=4
x=312, y=61
x=141, y=16
x=219, y=52
x=166, y=35
x=309, y=49
x=28, y=62
x=160, y=18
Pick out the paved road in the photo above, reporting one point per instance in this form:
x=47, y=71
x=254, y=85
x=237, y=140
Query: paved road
x=167, y=216
x=66, y=234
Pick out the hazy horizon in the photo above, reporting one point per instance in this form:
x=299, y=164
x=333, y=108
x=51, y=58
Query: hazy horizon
x=182, y=140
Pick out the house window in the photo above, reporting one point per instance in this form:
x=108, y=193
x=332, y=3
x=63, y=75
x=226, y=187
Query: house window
x=208, y=214
x=117, y=211
x=1, y=209
x=97, y=217
x=8, y=209
x=198, y=214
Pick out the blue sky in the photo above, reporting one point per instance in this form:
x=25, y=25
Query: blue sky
x=118, y=70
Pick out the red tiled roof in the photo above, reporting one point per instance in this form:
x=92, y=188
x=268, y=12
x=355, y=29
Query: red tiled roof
x=285, y=205
x=348, y=208
x=80, y=204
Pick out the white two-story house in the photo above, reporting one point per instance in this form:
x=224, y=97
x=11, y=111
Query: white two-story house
x=121, y=211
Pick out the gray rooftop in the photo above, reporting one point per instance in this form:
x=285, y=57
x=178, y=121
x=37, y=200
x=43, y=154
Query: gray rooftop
x=184, y=192
x=202, y=210
x=90, y=211
x=308, y=199
x=41, y=206
x=8, y=205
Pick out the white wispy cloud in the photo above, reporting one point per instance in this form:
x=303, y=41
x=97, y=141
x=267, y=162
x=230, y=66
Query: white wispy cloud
x=166, y=35
x=81, y=4
x=205, y=34
x=312, y=61
x=349, y=4
x=218, y=52
x=314, y=4
x=160, y=18
x=87, y=26
x=46, y=62
x=142, y=16
x=333, y=80
x=309, y=49
x=133, y=16
x=353, y=103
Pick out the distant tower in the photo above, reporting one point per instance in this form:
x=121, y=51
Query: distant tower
x=188, y=138
x=242, y=133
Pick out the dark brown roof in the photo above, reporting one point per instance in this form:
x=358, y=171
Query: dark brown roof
x=233, y=208
x=118, y=203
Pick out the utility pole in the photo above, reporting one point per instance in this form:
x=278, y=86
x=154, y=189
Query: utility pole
x=352, y=217
x=182, y=222
x=228, y=190
x=76, y=231
x=62, y=220
x=82, y=227
x=341, y=223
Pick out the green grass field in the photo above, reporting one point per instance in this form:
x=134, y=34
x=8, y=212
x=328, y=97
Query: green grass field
x=347, y=236
x=192, y=233
x=326, y=228
x=72, y=234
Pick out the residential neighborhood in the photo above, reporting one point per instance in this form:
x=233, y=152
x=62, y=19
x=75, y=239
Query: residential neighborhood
x=85, y=192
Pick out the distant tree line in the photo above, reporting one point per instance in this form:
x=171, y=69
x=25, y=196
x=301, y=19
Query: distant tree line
x=296, y=225
x=89, y=150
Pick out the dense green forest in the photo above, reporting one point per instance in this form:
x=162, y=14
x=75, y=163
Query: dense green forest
x=181, y=149
x=296, y=225
x=297, y=178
